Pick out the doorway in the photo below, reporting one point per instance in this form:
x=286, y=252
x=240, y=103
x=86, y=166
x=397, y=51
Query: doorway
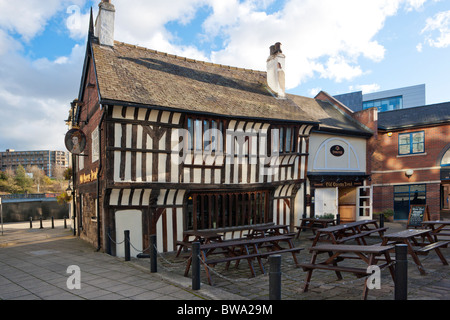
x=326, y=201
x=405, y=196
x=130, y=220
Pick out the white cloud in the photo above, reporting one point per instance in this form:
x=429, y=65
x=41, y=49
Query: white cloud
x=366, y=88
x=321, y=38
x=437, y=30
x=29, y=18
x=34, y=99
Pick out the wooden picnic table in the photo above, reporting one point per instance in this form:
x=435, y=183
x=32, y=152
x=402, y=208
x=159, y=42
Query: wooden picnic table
x=243, y=249
x=337, y=253
x=202, y=236
x=313, y=224
x=415, y=248
x=268, y=230
x=438, y=227
x=346, y=232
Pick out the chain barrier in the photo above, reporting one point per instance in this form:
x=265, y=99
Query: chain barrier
x=173, y=265
x=212, y=270
x=116, y=243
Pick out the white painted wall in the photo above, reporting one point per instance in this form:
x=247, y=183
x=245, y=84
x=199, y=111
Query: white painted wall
x=129, y=220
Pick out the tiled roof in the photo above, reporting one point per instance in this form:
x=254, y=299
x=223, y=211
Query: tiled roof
x=331, y=119
x=141, y=76
x=414, y=117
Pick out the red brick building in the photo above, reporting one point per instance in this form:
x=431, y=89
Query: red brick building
x=411, y=162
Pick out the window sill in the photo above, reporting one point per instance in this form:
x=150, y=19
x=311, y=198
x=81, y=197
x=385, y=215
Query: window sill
x=412, y=155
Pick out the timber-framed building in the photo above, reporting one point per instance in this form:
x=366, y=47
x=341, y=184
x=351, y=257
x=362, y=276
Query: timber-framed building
x=174, y=144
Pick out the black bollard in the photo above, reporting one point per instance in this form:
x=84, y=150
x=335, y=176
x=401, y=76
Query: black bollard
x=53, y=223
x=338, y=219
x=153, y=255
x=65, y=223
x=127, y=245
x=275, y=278
x=196, y=266
x=401, y=272
x=40, y=221
x=381, y=220
x=31, y=222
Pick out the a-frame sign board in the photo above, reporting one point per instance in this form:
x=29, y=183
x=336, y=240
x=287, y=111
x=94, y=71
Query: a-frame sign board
x=418, y=214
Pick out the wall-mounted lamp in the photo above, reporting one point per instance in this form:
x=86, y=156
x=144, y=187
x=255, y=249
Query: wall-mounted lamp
x=389, y=134
x=409, y=173
x=69, y=191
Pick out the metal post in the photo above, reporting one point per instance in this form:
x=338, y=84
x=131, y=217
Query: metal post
x=338, y=219
x=401, y=272
x=127, y=245
x=53, y=223
x=381, y=220
x=65, y=223
x=31, y=222
x=40, y=222
x=275, y=278
x=153, y=255
x=1, y=214
x=196, y=266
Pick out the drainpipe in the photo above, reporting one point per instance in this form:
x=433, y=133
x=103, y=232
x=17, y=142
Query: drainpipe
x=98, y=178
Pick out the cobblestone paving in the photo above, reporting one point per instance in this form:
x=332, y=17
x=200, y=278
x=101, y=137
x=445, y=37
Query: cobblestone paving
x=324, y=285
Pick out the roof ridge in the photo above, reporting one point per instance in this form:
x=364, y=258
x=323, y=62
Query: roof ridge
x=189, y=59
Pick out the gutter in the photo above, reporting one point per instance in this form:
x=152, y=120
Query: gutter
x=99, y=245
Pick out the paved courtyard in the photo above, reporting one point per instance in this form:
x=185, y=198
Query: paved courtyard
x=435, y=285
x=33, y=265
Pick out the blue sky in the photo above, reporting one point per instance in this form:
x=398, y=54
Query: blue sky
x=335, y=46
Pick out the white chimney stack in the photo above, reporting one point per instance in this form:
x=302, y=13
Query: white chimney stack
x=104, y=25
x=275, y=71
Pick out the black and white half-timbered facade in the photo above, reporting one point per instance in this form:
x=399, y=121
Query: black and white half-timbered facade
x=174, y=144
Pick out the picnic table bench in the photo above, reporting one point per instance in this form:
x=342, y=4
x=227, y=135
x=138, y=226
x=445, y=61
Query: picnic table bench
x=201, y=236
x=438, y=228
x=337, y=253
x=243, y=249
x=313, y=224
x=346, y=232
x=415, y=248
x=213, y=235
x=269, y=230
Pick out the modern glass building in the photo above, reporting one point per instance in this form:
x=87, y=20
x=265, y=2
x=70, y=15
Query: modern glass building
x=396, y=99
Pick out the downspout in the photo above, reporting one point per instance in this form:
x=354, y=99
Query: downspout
x=98, y=178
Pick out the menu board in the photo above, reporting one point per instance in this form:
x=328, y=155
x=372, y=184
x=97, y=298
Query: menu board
x=418, y=214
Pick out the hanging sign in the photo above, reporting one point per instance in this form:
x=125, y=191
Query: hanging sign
x=75, y=141
x=337, y=151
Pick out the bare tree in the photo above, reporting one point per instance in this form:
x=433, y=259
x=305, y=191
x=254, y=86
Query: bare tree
x=38, y=175
x=58, y=174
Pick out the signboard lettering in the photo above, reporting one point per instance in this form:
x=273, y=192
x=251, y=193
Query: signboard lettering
x=335, y=184
x=337, y=151
x=418, y=214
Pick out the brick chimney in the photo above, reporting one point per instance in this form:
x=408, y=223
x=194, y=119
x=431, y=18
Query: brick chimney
x=104, y=25
x=275, y=71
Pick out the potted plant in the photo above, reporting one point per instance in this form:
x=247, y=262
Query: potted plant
x=388, y=214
